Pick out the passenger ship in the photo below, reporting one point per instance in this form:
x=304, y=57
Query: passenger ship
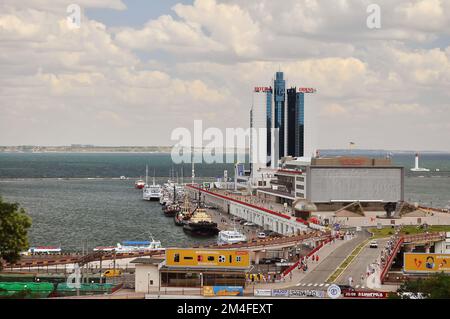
x=151, y=192
x=230, y=237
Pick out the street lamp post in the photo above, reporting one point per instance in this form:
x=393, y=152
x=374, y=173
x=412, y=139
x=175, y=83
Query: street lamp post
x=201, y=283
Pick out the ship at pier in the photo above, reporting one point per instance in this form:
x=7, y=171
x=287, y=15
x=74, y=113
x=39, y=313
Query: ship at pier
x=201, y=224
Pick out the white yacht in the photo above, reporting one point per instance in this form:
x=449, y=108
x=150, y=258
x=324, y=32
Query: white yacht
x=151, y=192
x=230, y=237
x=132, y=246
x=137, y=246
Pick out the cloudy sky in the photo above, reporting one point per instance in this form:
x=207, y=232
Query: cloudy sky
x=135, y=70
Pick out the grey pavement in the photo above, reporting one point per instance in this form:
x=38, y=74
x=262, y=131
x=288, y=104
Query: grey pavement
x=330, y=257
x=318, y=274
x=358, y=266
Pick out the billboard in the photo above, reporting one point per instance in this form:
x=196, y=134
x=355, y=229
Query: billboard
x=207, y=258
x=263, y=89
x=307, y=90
x=426, y=263
x=365, y=294
x=215, y=291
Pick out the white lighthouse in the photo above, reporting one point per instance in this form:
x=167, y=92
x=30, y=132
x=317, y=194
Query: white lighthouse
x=416, y=166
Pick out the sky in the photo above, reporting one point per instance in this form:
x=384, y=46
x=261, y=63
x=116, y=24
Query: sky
x=136, y=70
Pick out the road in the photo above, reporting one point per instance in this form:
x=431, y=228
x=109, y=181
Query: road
x=318, y=276
x=359, y=265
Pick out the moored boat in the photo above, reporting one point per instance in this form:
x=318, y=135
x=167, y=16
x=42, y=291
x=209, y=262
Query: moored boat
x=230, y=237
x=201, y=224
x=139, y=184
x=133, y=246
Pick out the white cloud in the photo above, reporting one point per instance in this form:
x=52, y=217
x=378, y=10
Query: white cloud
x=115, y=86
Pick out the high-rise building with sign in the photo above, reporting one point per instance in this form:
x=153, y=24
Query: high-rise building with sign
x=295, y=123
x=282, y=113
x=261, y=125
x=279, y=123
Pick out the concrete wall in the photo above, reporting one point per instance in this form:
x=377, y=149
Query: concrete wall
x=327, y=184
x=145, y=274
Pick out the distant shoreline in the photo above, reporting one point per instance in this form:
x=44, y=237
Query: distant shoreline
x=93, y=149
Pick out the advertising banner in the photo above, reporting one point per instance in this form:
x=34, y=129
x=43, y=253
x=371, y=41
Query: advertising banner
x=307, y=293
x=216, y=291
x=365, y=294
x=263, y=292
x=426, y=263
x=240, y=169
x=207, y=258
x=280, y=293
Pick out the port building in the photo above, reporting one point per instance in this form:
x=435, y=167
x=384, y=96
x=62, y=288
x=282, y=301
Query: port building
x=332, y=182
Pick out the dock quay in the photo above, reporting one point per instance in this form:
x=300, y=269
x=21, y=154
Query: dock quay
x=270, y=216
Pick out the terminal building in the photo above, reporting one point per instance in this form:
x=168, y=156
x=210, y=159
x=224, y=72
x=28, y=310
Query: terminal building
x=333, y=182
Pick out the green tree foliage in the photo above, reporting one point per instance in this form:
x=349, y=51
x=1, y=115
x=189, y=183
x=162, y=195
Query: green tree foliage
x=437, y=286
x=14, y=225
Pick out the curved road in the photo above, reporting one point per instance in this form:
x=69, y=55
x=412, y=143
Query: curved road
x=358, y=266
x=325, y=268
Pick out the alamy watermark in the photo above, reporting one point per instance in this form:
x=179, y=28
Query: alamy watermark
x=74, y=279
x=373, y=20
x=212, y=145
x=74, y=16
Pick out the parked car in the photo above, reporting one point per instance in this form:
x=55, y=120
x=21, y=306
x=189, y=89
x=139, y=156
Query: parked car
x=278, y=260
x=265, y=261
x=261, y=235
x=112, y=273
x=373, y=244
x=250, y=224
x=242, y=222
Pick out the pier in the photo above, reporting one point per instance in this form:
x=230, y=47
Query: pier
x=255, y=210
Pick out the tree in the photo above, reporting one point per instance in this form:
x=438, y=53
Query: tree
x=437, y=286
x=14, y=225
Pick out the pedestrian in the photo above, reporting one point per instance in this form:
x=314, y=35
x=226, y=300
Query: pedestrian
x=350, y=281
x=317, y=258
x=362, y=279
x=290, y=275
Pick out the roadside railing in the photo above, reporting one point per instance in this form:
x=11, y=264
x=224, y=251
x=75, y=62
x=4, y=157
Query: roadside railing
x=407, y=239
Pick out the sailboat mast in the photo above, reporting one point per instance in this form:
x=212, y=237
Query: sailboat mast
x=146, y=174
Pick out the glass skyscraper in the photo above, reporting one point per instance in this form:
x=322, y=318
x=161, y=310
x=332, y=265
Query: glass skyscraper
x=261, y=118
x=282, y=113
x=269, y=125
x=295, y=122
x=279, y=94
